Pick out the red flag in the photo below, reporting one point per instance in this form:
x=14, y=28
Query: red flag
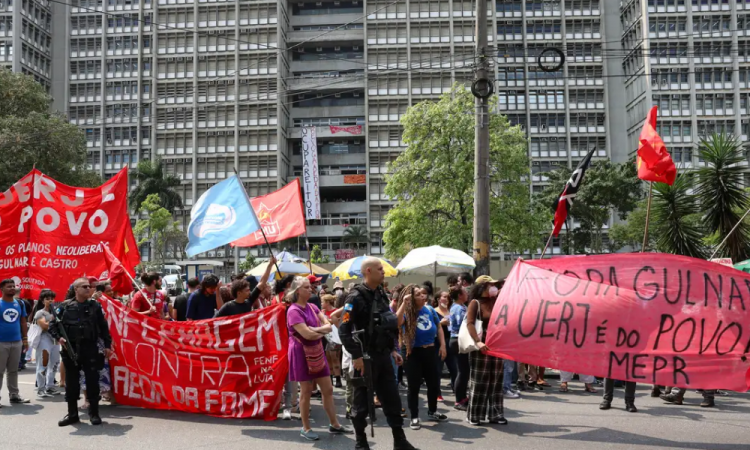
x=121, y=283
x=564, y=202
x=654, y=162
x=280, y=214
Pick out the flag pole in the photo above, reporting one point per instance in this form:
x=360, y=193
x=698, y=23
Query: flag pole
x=132, y=280
x=648, y=215
x=549, y=240
x=729, y=234
x=265, y=239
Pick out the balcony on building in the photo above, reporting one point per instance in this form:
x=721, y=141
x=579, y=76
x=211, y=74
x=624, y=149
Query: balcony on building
x=343, y=34
x=339, y=175
x=328, y=104
x=340, y=207
x=313, y=12
x=327, y=127
x=321, y=80
x=322, y=57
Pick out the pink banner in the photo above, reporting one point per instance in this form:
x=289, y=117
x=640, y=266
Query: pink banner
x=651, y=318
x=354, y=129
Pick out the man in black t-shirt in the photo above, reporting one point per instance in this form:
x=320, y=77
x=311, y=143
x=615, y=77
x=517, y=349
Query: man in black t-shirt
x=179, y=312
x=243, y=299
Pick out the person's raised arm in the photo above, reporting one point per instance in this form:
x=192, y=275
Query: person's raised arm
x=401, y=309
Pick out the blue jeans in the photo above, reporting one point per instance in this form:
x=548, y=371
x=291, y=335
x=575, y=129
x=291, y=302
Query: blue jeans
x=508, y=368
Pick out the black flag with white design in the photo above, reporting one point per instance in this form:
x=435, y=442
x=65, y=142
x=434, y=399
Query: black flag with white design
x=562, y=204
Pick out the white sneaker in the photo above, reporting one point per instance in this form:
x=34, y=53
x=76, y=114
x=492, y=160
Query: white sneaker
x=43, y=394
x=287, y=414
x=511, y=394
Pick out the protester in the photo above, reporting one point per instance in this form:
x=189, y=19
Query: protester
x=203, y=303
x=379, y=343
x=465, y=280
x=25, y=353
x=609, y=388
x=47, y=349
x=333, y=350
x=307, y=363
x=243, y=301
x=179, y=312
x=420, y=327
x=13, y=339
x=149, y=300
x=486, y=374
x=587, y=380
x=442, y=305
x=461, y=379
x=338, y=291
x=452, y=282
x=280, y=288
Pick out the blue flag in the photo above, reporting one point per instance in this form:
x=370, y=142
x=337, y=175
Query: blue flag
x=221, y=215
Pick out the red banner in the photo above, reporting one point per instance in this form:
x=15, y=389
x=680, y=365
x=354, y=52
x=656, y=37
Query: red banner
x=354, y=129
x=50, y=233
x=228, y=367
x=650, y=318
x=355, y=179
x=280, y=214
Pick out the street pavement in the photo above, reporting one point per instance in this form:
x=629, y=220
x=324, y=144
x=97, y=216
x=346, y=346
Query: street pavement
x=540, y=420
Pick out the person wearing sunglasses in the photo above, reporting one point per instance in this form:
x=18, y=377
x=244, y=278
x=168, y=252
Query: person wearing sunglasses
x=81, y=321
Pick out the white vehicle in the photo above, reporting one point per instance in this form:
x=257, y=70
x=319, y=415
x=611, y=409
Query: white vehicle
x=171, y=284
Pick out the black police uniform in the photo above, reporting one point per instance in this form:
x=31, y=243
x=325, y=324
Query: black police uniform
x=84, y=324
x=379, y=346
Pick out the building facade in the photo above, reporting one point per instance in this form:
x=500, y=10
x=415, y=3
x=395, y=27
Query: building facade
x=26, y=39
x=212, y=86
x=691, y=58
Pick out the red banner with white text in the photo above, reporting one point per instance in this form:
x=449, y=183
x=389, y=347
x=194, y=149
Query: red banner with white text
x=227, y=367
x=650, y=318
x=50, y=233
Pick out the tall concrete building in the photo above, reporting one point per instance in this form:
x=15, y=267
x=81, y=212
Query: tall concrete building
x=692, y=60
x=209, y=86
x=26, y=39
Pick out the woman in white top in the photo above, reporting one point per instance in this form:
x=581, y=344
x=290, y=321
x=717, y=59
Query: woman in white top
x=47, y=350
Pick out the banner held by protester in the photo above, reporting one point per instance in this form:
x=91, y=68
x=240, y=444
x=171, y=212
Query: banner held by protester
x=50, y=233
x=666, y=320
x=228, y=367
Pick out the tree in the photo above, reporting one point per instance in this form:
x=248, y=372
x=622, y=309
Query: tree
x=675, y=219
x=32, y=135
x=249, y=263
x=356, y=235
x=316, y=256
x=722, y=200
x=158, y=228
x=630, y=232
x=432, y=181
x=152, y=180
x=606, y=187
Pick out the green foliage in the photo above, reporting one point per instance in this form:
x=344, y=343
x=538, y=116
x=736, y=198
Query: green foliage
x=355, y=235
x=630, y=232
x=317, y=257
x=159, y=229
x=722, y=200
x=432, y=181
x=31, y=135
x=249, y=263
x=675, y=222
x=152, y=180
x=606, y=187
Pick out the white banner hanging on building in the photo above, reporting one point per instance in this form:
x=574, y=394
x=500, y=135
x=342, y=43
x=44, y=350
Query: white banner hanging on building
x=310, y=180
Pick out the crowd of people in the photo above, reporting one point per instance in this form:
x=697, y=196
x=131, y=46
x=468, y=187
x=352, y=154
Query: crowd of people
x=410, y=333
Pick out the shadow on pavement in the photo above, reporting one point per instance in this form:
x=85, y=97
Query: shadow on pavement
x=105, y=429
x=21, y=410
x=608, y=435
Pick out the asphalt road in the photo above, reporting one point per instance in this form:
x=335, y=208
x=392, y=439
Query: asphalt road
x=541, y=420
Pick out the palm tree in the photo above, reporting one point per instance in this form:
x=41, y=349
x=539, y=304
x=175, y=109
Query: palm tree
x=720, y=193
x=675, y=223
x=152, y=180
x=356, y=235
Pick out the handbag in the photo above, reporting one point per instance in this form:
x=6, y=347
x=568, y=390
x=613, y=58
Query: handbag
x=466, y=343
x=34, y=335
x=315, y=355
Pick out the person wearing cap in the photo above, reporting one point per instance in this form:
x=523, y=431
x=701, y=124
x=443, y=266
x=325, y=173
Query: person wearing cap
x=338, y=291
x=486, y=375
x=315, y=282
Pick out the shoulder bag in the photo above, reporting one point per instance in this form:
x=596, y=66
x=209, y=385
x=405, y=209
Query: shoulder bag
x=466, y=343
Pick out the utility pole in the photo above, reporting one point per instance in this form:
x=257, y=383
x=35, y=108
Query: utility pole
x=482, y=89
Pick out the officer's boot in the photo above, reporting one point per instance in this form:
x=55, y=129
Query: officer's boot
x=362, y=442
x=674, y=399
x=399, y=440
x=708, y=402
x=71, y=417
x=630, y=406
x=94, y=413
x=655, y=392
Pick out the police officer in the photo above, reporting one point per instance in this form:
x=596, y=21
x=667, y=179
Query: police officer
x=82, y=320
x=380, y=344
